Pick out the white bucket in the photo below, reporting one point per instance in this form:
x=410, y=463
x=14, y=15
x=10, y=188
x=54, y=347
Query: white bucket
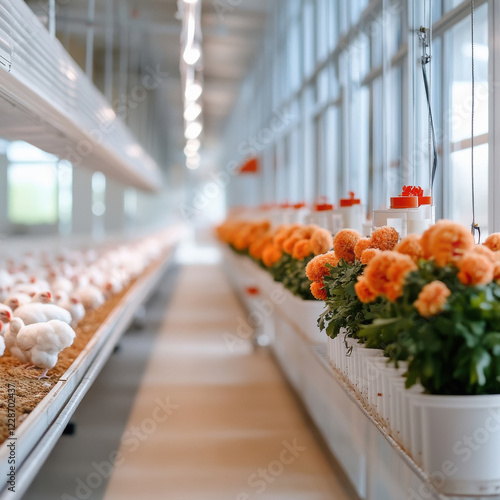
x=367, y=374
x=460, y=442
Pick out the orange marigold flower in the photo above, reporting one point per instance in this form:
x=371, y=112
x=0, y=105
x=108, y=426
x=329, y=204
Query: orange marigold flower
x=368, y=255
x=321, y=241
x=411, y=245
x=289, y=243
x=447, y=242
x=271, y=254
x=318, y=290
x=432, y=299
x=283, y=232
x=384, y=238
x=316, y=269
x=363, y=291
x=257, y=247
x=397, y=274
x=386, y=272
x=301, y=249
x=309, y=230
x=361, y=246
x=475, y=269
x=344, y=243
x=493, y=242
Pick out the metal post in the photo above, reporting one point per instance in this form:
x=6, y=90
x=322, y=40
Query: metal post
x=89, y=55
x=123, y=79
x=108, y=72
x=52, y=18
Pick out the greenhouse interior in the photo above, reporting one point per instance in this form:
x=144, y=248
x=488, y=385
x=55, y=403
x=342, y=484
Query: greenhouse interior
x=249, y=249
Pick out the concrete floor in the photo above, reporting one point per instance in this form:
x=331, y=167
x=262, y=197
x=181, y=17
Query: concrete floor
x=186, y=418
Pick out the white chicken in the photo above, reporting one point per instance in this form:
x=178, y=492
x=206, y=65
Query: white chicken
x=90, y=296
x=2, y=345
x=10, y=339
x=5, y=313
x=16, y=300
x=44, y=297
x=75, y=307
x=6, y=283
x=41, y=343
x=40, y=313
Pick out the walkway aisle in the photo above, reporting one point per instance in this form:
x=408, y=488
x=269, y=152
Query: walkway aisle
x=212, y=423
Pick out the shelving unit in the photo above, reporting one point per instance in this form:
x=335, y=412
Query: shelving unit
x=47, y=100
x=39, y=433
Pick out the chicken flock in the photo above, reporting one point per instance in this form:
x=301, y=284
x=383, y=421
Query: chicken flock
x=43, y=297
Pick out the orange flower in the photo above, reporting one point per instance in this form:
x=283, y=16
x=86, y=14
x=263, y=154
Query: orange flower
x=271, y=254
x=446, y=242
x=309, y=230
x=493, y=242
x=318, y=290
x=475, y=269
x=368, y=255
x=384, y=238
x=316, y=269
x=344, y=243
x=290, y=243
x=363, y=291
x=321, y=241
x=386, y=272
x=397, y=274
x=257, y=247
x=361, y=246
x=432, y=299
x=301, y=249
x=283, y=232
x=411, y=246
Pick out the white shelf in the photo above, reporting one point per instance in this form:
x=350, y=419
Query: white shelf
x=47, y=100
x=39, y=433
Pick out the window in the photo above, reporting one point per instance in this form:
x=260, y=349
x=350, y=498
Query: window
x=354, y=85
x=32, y=179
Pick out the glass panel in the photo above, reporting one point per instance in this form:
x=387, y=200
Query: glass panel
x=32, y=194
x=460, y=186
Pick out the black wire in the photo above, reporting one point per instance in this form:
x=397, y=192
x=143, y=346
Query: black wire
x=425, y=60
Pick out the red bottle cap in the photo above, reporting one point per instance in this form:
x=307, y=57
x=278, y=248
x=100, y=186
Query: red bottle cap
x=404, y=202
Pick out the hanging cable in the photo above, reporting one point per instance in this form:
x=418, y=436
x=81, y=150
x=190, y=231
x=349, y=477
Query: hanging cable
x=425, y=59
x=474, y=226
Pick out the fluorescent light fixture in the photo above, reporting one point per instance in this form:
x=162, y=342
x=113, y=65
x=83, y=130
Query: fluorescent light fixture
x=193, y=91
x=192, y=111
x=193, y=163
x=191, y=55
x=190, y=153
x=191, y=1
x=133, y=150
x=193, y=144
x=193, y=130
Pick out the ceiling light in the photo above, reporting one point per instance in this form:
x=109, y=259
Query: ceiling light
x=190, y=153
x=190, y=1
x=193, y=130
x=193, y=144
x=191, y=55
x=193, y=91
x=192, y=112
x=193, y=163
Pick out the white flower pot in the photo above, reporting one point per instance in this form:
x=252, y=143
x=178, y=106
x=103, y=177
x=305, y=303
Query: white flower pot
x=304, y=315
x=408, y=437
x=460, y=438
x=367, y=372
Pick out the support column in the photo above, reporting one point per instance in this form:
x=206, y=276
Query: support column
x=114, y=218
x=4, y=219
x=82, y=220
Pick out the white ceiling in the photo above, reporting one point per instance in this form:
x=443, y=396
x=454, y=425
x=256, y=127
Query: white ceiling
x=231, y=37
